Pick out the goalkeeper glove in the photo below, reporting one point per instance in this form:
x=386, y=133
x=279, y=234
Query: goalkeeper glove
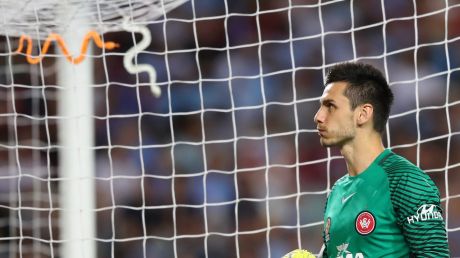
x=299, y=253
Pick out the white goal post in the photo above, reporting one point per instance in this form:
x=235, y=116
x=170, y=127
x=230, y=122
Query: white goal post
x=185, y=129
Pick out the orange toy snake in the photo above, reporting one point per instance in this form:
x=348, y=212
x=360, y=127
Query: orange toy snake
x=56, y=37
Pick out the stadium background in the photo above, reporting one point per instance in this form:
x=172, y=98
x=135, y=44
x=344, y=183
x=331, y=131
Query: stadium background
x=240, y=89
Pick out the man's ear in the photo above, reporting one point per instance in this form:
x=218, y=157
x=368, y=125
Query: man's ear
x=365, y=114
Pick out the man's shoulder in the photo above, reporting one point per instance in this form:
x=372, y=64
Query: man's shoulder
x=341, y=180
x=406, y=176
x=338, y=185
x=398, y=166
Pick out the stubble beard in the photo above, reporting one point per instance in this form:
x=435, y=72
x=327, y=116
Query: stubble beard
x=338, y=138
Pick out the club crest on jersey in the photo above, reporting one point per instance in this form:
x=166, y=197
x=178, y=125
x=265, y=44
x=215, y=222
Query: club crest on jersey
x=365, y=223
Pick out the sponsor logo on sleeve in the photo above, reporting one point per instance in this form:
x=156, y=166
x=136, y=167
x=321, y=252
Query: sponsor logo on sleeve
x=424, y=213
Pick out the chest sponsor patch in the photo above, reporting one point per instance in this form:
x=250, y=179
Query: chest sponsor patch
x=365, y=223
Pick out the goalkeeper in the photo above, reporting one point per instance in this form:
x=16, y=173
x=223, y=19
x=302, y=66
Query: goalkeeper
x=384, y=206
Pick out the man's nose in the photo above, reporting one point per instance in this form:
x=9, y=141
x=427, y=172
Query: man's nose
x=318, y=118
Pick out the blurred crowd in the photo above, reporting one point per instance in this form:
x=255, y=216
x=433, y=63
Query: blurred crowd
x=227, y=162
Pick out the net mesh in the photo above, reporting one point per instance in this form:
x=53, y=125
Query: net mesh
x=40, y=18
x=227, y=162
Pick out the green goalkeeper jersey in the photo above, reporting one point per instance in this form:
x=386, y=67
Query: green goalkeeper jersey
x=392, y=209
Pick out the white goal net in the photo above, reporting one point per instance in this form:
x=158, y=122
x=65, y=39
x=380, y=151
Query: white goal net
x=222, y=159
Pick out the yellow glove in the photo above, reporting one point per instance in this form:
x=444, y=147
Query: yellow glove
x=299, y=253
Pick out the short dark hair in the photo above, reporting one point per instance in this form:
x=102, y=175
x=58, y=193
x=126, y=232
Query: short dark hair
x=366, y=84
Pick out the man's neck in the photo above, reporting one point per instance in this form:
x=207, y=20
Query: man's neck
x=361, y=152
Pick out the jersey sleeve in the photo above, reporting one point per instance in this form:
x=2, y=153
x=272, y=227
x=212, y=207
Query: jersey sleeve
x=416, y=202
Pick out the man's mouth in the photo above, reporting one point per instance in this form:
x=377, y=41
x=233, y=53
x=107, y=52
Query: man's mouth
x=321, y=131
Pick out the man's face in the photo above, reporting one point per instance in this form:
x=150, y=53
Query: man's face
x=335, y=119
